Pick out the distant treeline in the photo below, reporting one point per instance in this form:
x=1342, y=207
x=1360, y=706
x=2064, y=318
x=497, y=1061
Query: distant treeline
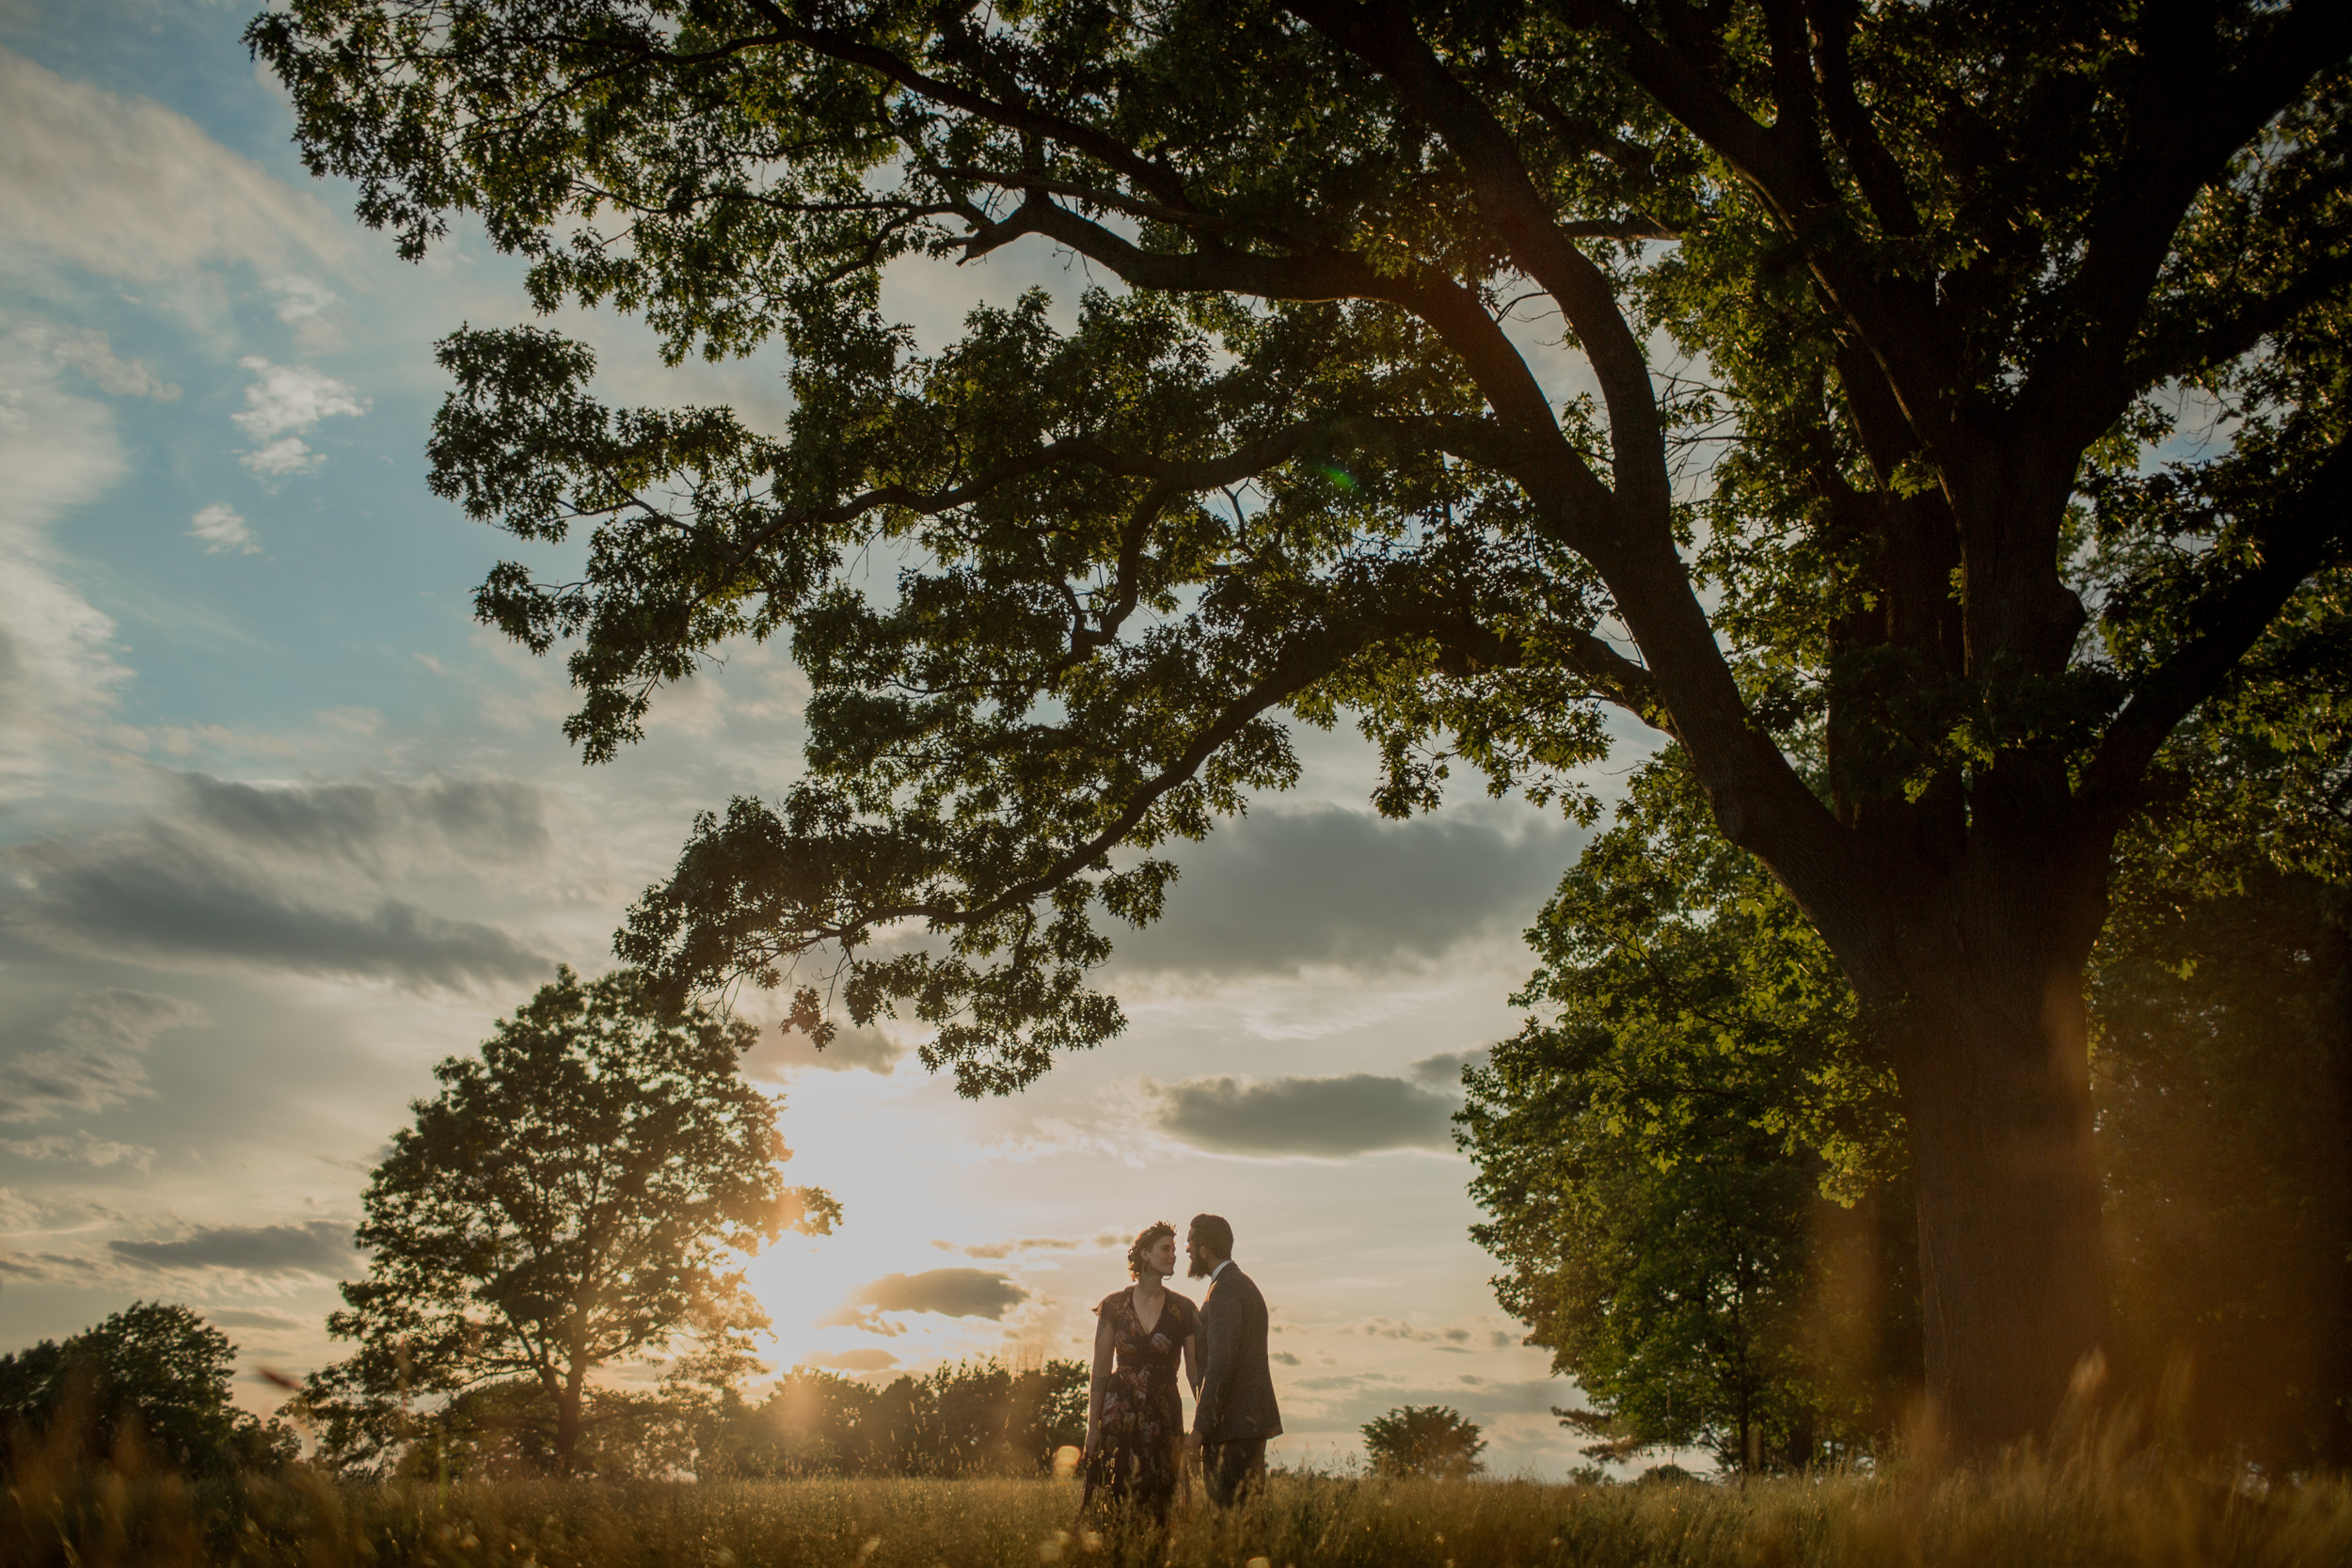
x=965, y=1419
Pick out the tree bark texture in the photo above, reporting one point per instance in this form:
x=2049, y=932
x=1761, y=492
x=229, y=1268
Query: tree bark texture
x=1976, y=984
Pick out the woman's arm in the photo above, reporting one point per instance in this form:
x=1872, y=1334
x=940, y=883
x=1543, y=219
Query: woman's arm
x=1103, y=1342
x=1192, y=1364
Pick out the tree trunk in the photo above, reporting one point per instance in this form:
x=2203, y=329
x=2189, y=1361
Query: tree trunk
x=568, y=1425
x=1990, y=1050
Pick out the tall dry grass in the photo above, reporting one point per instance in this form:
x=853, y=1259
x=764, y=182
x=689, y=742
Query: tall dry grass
x=2093, y=1509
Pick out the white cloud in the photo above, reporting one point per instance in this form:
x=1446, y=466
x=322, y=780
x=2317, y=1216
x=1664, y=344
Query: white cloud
x=221, y=530
x=92, y=353
x=283, y=402
x=133, y=191
x=18, y=1216
x=289, y=454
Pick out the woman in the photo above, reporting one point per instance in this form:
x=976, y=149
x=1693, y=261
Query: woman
x=1135, y=1414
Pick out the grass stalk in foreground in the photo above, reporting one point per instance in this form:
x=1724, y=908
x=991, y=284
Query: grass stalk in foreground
x=2025, y=1512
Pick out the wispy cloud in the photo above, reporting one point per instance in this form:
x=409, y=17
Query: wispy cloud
x=95, y=1060
x=80, y=1149
x=302, y=304
x=862, y=1046
x=130, y=190
x=319, y=1247
x=92, y=354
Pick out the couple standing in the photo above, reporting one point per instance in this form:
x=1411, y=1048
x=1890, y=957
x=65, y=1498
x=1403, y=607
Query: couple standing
x=1135, y=1414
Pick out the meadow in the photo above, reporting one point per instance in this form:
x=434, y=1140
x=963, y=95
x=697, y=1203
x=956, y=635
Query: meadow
x=2026, y=1512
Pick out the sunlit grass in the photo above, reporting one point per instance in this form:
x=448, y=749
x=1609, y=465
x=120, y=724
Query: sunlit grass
x=2021, y=1513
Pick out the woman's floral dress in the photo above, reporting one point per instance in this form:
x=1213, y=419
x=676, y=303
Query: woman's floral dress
x=1139, y=1455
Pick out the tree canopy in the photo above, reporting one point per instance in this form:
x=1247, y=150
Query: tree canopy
x=1692, y=1161
x=147, y=1385
x=1886, y=316
x=568, y=1199
x=1431, y=1440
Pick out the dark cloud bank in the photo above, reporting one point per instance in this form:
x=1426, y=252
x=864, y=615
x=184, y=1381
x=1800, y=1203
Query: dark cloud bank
x=1281, y=889
x=1332, y=1118
x=949, y=1292
x=498, y=820
x=235, y=876
x=322, y=1248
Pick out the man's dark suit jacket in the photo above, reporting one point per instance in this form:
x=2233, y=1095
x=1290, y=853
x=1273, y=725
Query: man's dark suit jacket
x=1236, y=1390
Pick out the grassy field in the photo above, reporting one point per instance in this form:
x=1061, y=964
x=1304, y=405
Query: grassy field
x=2025, y=1513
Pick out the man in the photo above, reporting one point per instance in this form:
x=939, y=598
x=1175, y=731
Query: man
x=1233, y=1411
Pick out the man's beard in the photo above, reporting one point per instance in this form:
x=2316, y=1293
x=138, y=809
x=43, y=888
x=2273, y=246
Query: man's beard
x=1199, y=1267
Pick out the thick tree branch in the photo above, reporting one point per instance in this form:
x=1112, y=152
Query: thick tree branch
x=1386, y=39
x=1580, y=505
x=1162, y=181
x=2296, y=540
x=2188, y=351
x=1875, y=171
x=1898, y=324
x=2187, y=121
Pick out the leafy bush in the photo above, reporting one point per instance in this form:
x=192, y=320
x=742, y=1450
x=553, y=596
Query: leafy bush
x=1429, y=1440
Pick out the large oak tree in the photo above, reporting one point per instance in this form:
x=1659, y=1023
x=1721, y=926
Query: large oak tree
x=1933, y=281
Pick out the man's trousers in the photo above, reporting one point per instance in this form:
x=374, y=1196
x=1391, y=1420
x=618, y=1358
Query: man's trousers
x=1233, y=1469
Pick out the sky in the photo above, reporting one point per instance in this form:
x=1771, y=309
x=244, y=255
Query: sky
x=280, y=826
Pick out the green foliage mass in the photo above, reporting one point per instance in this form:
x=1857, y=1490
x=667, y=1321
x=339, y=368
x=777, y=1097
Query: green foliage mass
x=1424, y=1440
x=150, y=1385
x=569, y=1200
x=1689, y=1162
x=1691, y=1157
x=965, y=1419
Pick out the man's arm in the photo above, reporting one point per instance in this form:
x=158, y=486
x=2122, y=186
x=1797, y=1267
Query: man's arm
x=1216, y=1362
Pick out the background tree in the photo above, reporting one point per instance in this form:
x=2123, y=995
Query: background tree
x=568, y=1199
x=2224, y=1084
x=967, y=1418
x=1424, y=1440
x=1948, y=274
x=1692, y=1161
x=1660, y=1146
x=2222, y=1009
x=151, y=1380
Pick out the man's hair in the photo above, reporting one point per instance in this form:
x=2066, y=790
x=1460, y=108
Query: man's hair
x=1212, y=1233
x=1145, y=1240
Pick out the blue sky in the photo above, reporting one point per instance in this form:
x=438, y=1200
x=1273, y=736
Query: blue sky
x=280, y=826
